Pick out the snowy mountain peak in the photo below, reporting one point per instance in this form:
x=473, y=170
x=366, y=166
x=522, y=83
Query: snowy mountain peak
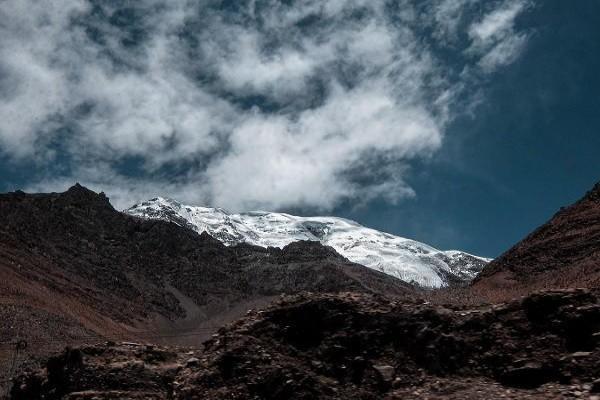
x=403, y=258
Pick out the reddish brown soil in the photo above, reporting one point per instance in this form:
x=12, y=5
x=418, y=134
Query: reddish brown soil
x=564, y=252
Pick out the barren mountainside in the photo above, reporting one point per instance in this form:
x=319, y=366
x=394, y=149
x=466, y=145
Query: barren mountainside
x=564, y=252
x=71, y=266
x=298, y=322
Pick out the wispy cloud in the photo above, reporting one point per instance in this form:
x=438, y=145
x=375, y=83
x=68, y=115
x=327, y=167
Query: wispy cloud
x=260, y=104
x=494, y=38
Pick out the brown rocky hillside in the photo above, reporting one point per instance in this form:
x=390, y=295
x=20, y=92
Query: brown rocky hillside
x=563, y=253
x=73, y=269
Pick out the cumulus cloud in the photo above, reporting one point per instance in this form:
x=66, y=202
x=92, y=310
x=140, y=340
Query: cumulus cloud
x=253, y=104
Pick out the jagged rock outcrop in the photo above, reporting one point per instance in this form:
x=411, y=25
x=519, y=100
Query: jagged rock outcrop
x=546, y=346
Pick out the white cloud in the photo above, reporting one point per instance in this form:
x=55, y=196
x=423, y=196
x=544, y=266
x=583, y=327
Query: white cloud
x=123, y=191
x=504, y=52
x=494, y=38
x=243, y=67
x=30, y=37
x=301, y=162
x=497, y=23
x=272, y=106
x=448, y=15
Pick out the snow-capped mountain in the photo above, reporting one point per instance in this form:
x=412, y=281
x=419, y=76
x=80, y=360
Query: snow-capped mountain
x=406, y=259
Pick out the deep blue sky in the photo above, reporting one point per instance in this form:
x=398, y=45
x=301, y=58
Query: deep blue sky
x=98, y=96
x=532, y=147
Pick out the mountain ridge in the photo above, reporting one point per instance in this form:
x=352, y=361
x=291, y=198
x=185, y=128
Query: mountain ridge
x=347, y=331
x=406, y=259
x=73, y=268
x=563, y=252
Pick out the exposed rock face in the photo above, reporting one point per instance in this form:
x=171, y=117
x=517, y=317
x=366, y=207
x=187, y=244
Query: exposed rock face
x=564, y=252
x=354, y=346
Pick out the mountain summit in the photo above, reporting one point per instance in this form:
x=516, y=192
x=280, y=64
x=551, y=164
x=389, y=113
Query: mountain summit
x=406, y=259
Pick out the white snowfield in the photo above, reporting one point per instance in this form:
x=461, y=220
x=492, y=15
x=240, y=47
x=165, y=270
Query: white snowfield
x=406, y=259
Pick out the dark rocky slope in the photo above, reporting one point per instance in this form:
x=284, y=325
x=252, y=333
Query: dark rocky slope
x=72, y=267
x=371, y=339
x=564, y=252
x=546, y=346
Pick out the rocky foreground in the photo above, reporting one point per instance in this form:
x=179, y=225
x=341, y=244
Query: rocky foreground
x=354, y=346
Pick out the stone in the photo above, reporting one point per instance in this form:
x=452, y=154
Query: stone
x=386, y=372
x=581, y=354
x=192, y=362
x=530, y=375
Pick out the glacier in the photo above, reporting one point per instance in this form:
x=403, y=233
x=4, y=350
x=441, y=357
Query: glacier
x=406, y=259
